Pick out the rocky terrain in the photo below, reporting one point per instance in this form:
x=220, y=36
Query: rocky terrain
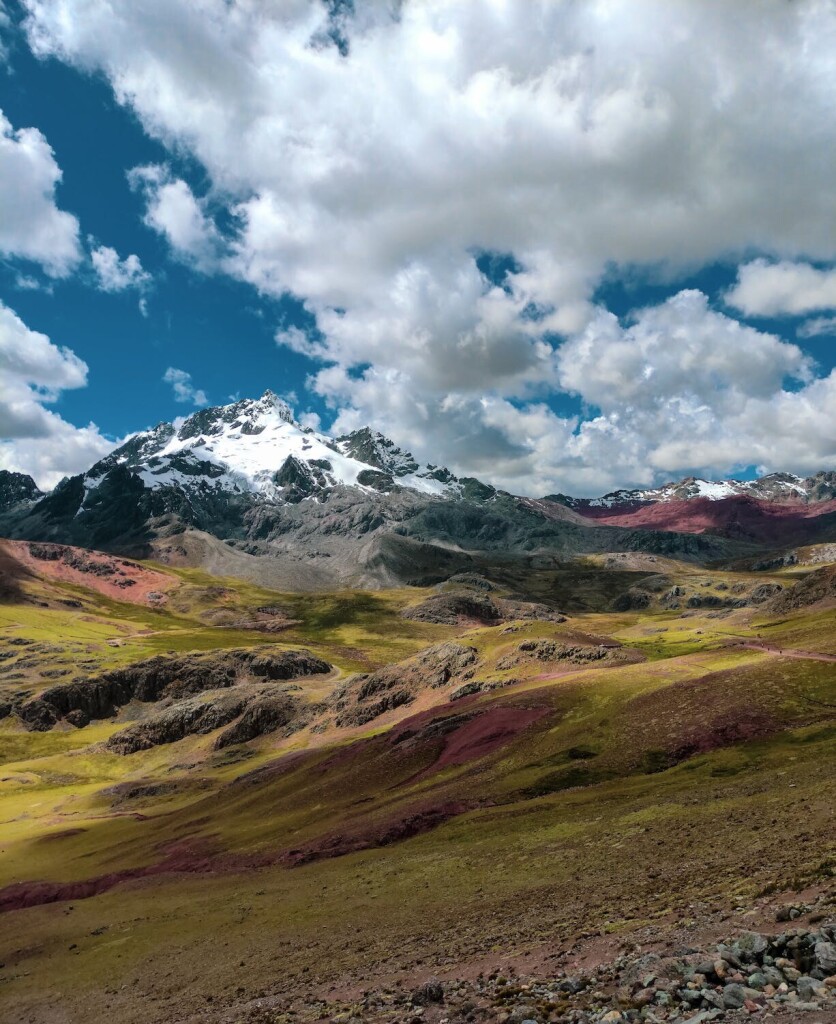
x=164, y=679
x=751, y=974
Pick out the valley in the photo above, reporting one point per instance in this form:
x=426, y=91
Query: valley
x=279, y=801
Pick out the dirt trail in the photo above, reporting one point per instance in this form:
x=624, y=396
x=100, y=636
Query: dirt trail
x=784, y=652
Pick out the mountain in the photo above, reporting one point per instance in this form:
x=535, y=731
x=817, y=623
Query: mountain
x=781, y=487
x=245, y=490
x=256, y=446
x=776, y=510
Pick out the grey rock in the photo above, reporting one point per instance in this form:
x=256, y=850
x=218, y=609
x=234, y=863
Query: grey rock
x=466, y=690
x=713, y=999
x=733, y=996
x=703, y=1016
x=750, y=945
x=825, y=953
x=430, y=992
x=809, y=988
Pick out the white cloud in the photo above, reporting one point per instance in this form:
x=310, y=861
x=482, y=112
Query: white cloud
x=175, y=213
x=33, y=438
x=776, y=289
x=577, y=137
x=682, y=388
x=680, y=348
x=817, y=325
x=310, y=420
x=183, y=388
x=115, y=274
x=31, y=225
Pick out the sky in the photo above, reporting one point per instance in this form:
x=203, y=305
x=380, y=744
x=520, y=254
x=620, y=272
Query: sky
x=560, y=246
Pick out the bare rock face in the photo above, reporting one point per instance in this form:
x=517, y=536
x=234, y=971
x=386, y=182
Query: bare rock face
x=264, y=714
x=160, y=678
x=17, y=489
x=451, y=608
x=187, y=717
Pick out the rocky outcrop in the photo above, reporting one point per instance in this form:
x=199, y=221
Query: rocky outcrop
x=451, y=609
x=574, y=654
x=367, y=697
x=263, y=714
x=163, y=677
x=817, y=587
x=186, y=718
x=253, y=711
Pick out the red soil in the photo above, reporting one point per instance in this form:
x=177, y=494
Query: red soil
x=391, y=830
x=188, y=857
x=486, y=733
x=739, y=516
x=126, y=581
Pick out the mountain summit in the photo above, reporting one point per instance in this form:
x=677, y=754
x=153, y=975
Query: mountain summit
x=256, y=446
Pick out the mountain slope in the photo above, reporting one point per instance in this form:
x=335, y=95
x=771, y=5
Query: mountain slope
x=779, y=510
x=245, y=490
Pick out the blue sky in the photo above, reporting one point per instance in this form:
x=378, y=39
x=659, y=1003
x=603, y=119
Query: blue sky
x=219, y=329
x=572, y=265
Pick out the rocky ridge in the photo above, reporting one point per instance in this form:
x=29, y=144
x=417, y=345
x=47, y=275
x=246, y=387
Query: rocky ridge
x=17, y=489
x=165, y=679
x=780, y=487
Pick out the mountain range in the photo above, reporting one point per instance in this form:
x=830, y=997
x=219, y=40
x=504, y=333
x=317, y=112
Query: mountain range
x=244, y=489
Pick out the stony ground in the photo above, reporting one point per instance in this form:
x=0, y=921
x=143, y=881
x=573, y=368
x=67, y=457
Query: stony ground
x=783, y=975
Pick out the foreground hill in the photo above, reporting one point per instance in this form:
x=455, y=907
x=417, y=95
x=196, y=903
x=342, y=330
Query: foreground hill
x=224, y=803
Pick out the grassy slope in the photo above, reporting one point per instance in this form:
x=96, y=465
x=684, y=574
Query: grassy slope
x=640, y=826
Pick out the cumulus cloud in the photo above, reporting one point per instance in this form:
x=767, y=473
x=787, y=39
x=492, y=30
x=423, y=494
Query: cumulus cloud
x=183, y=388
x=33, y=438
x=31, y=225
x=174, y=212
x=776, y=289
x=679, y=348
x=117, y=275
x=681, y=388
x=367, y=177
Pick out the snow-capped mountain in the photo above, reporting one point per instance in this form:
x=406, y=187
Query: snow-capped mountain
x=244, y=488
x=780, y=487
x=256, y=446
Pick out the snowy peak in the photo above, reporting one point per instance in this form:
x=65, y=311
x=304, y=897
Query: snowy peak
x=249, y=416
x=256, y=446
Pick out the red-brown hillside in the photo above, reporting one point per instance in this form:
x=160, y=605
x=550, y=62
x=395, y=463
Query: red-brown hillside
x=739, y=516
